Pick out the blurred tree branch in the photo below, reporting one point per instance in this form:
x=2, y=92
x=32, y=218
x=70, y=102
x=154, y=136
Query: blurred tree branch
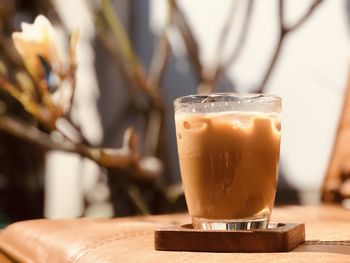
x=220, y=67
x=284, y=31
x=211, y=75
x=133, y=70
x=132, y=65
x=159, y=60
x=155, y=75
x=72, y=68
x=181, y=22
x=116, y=41
x=242, y=37
x=126, y=157
x=208, y=77
x=39, y=112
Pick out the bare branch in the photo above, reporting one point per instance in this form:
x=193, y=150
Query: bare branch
x=242, y=37
x=158, y=63
x=160, y=54
x=123, y=158
x=131, y=141
x=132, y=65
x=281, y=13
x=284, y=31
x=133, y=76
x=109, y=46
x=76, y=129
x=38, y=112
x=211, y=77
x=271, y=66
x=73, y=64
x=155, y=75
x=33, y=134
x=225, y=31
x=153, y=133
x=278, y=48
x=191, y=44
x=130, y=83
x=152, y=92
x=312, y=8
x=115, y=25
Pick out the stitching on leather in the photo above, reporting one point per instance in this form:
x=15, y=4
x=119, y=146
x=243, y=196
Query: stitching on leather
x=327, y=243
x=92, y=246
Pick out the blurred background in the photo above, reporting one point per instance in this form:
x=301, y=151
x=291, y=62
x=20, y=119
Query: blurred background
x=110, y=148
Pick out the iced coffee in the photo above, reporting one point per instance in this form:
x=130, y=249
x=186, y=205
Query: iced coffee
x=228, y=148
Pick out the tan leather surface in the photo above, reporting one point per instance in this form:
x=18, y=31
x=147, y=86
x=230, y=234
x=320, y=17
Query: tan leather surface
x=4, y=259
x=131, y=239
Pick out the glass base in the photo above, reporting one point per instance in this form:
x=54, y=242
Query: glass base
x=243, y=224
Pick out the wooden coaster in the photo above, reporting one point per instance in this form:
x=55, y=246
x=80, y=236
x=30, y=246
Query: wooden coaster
x=282, y=237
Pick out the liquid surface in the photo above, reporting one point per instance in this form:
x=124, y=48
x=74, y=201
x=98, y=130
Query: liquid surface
x=229, y=163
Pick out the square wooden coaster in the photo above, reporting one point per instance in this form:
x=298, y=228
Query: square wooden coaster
x=282, y=237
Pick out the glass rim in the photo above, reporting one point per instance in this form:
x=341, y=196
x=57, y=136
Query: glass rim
x=209, y=98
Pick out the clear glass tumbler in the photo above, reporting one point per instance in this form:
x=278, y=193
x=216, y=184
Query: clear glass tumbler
x=228, y=147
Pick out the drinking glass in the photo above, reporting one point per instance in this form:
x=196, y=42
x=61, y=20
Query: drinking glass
x=228, y=147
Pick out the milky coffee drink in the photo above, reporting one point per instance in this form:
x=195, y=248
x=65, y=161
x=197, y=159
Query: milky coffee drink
x=229, y=163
